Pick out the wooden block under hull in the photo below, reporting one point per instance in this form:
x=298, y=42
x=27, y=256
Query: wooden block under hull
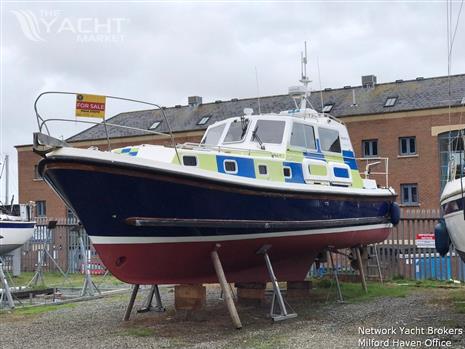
x=189, y=297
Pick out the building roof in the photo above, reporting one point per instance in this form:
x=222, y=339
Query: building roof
x=410, y=95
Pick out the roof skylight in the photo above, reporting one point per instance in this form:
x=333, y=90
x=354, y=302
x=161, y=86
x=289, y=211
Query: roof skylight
x=155, y=125
x=204, y=120
x=390, y=101
x=327, y=107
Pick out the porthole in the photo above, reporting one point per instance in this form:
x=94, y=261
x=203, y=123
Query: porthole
x=230, y=166
x=189, y=160
x=263, y=170
x=287, y=172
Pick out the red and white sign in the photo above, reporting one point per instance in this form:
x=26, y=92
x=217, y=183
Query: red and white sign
x=425, y=241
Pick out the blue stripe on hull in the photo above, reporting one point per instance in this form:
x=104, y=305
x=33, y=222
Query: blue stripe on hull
x=16, y=225
x=104, y=200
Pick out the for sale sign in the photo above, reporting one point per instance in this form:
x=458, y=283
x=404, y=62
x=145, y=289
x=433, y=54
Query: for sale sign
x=425, y=241
x=90, y=106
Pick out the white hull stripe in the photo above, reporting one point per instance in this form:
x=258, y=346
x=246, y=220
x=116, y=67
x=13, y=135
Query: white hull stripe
x=169, y=239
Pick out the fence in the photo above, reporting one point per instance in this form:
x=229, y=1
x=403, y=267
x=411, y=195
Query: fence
x=60, y=239
x=406, y=253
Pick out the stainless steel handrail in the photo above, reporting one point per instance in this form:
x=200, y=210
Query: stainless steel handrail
x=41, y=122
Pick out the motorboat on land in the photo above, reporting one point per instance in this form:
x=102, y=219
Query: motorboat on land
x=287, y=180
x=14, y=232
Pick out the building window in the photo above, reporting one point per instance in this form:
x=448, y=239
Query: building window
x=407, y=146
x=36, y=173
x=41, y=208
x=70, y=217
x=390, y=101
x=409, y=194
x=370, y=148
x=327, y=107
x=204, y=120
x=155, y=125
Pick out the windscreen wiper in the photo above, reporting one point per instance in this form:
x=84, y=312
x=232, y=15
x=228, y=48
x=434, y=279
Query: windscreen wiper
x=255, y=136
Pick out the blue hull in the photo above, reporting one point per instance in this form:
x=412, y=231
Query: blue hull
x=107, y=198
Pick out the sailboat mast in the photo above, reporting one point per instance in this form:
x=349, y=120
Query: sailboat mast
x=7, y=194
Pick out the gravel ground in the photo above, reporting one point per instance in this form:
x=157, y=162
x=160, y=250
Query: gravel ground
x=320, y=324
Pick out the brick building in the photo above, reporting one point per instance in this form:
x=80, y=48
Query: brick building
x=408, y=122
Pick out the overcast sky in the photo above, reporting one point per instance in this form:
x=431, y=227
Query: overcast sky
x=164, y=53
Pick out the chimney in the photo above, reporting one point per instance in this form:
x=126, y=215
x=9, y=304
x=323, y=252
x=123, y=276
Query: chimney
x=194, y=100
x=368, y=81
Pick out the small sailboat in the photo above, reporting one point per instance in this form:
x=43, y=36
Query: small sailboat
x=286, y=180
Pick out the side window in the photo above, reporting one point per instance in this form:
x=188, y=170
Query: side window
x=213, y=135
x=329, y=140
x=302, y=136
x=269, y=131
x=409, y=194
x=407, y=146
x=41, y=208
x=236, y=131
x=230, y=166
x=370, y=147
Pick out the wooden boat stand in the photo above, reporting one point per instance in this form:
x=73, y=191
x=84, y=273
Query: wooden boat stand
x=147, y=303
x=5, y=289
x=277, y=296
x=225, y=288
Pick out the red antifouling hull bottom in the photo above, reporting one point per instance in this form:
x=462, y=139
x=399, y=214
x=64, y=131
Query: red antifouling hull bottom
x=190, y=262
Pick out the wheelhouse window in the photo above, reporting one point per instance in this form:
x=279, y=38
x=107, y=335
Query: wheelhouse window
x=329, y=140
x=236, y=132
x=302, y=136
x=370, y=148
x=269, y=131
x=213, y=135
x=407, y=146
x=409, y=194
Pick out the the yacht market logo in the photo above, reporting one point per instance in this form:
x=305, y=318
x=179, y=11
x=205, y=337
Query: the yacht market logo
x=45, y=25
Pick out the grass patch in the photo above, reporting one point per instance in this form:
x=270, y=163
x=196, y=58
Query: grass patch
x=354, y=292
x=57, y=280
x=41, y=309
x=458, y=299
x=262, y=342
x=138, y=332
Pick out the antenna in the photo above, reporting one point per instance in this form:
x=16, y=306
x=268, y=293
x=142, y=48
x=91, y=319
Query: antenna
x=304, y=78
x=258, y=90
x=319, y=82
